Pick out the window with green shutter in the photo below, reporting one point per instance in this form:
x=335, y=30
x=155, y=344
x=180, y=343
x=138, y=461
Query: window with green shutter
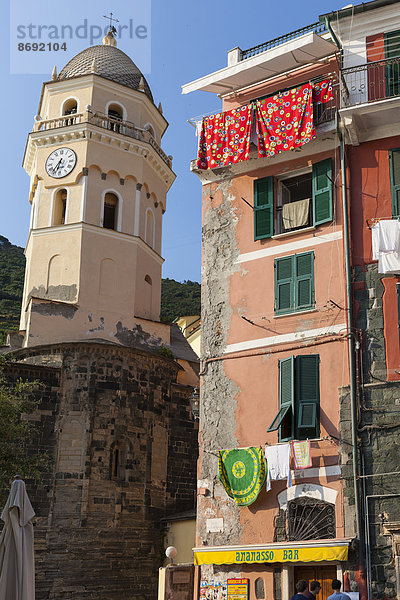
x=394, y=162
x=302, y=201
x=294, y=283
x=298, y=414
x=322, y=192
x=263, y=208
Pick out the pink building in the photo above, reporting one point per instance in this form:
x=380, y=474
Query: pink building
x=281, y=351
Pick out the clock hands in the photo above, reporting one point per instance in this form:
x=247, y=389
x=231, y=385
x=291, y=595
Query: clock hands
x=55, y=169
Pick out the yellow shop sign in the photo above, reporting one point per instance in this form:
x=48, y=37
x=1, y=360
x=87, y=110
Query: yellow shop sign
x=309, y=553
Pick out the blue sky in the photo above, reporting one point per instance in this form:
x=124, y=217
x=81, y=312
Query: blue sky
x=185, y=41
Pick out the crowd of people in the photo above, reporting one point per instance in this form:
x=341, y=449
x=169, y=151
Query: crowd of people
x=303, y=590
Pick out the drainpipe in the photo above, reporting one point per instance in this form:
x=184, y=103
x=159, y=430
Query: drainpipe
x=351, y=352
x=332, y=33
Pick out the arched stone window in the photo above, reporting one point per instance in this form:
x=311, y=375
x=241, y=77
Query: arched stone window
x=119, y=461
x=259, y=588
x=110, y=211
x=310, y=519
x=60, y=207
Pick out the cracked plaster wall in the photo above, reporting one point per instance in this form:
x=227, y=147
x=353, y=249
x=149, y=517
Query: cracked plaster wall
x=218, y=392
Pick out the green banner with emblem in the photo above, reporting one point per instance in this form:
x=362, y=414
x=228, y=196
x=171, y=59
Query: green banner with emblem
x=243, y=473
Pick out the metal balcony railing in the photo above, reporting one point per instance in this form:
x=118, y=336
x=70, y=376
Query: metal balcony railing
x=317, y=28
x=370, y=82
x=104, y=121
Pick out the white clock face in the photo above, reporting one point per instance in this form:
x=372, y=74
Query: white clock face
x=60, y=162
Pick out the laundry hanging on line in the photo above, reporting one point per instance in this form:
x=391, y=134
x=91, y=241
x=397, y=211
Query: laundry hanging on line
x=386, y=246
x=302, y=454
x=284, y=122
x=278, y=463
x=242, y=472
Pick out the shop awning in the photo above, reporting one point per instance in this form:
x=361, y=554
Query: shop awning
x=304, y=552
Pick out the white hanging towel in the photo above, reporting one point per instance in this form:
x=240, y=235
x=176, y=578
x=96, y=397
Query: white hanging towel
x=386, y=246
x=278, y=463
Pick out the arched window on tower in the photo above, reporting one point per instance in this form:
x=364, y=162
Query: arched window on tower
x=60, y=207
x=115, y=115
x=150, y=129
x=149, y=234
x=70, y=107
x=110, y=214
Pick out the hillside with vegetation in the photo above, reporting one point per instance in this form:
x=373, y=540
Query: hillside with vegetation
x=12, y=268
x=177, y=299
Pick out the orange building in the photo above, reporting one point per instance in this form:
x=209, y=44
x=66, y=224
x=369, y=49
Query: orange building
x=287, y=266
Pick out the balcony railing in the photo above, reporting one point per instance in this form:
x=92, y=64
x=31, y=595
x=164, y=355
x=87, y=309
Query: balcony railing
x=317, y=28
x=371, y=82
x=104, y=121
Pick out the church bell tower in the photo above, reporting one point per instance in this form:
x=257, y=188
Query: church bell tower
x=98, y=185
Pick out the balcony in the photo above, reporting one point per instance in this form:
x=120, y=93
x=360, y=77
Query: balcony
x=370, y=99
x=125, y=128
x=371, y=82
x=317, y=28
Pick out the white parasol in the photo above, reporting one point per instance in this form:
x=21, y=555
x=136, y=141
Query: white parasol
x=17, y=569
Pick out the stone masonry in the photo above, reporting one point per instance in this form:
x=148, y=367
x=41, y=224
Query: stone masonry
x=379, y=446
x=123, y=447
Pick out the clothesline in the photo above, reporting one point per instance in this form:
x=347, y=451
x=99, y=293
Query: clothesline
x=283, y=121
x=376, y=220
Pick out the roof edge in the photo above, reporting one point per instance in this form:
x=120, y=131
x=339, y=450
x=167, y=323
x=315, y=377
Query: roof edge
x=356, y=9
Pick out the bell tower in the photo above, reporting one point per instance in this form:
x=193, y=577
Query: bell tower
x=98, y=185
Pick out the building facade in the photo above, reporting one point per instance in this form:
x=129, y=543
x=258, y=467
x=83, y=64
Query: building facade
x=116, y=420
x=297, y=343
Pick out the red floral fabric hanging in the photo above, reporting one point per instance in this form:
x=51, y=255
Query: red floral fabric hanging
x=225, y=138
x=285, y=121
x=323, y=91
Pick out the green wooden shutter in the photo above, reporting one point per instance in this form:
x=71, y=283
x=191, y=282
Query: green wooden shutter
x=392, y=70
x=304, y=280
x=394, y=162
x=286, y=396
x=263, y=208
x=307, y=396
x=322, y=191
x=284, y=284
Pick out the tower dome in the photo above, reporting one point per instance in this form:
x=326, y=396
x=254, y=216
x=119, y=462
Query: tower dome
x=109, y=62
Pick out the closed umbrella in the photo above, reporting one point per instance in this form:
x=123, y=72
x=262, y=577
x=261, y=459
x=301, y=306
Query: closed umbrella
x=17, y=570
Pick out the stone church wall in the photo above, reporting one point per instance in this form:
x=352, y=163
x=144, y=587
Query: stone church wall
x=123, y=449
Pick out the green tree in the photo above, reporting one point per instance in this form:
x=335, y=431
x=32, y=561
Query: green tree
x=18, y=400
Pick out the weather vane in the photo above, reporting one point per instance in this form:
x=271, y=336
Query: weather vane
x=111, y=26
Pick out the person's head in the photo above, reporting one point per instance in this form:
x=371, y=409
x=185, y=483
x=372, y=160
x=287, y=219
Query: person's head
x=336, y=585
x=301, y=586
x=315, y=587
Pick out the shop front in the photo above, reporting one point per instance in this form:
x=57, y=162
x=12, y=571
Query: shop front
x=273, y=569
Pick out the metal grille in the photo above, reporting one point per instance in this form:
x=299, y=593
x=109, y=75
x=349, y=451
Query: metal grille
x=310, y=519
